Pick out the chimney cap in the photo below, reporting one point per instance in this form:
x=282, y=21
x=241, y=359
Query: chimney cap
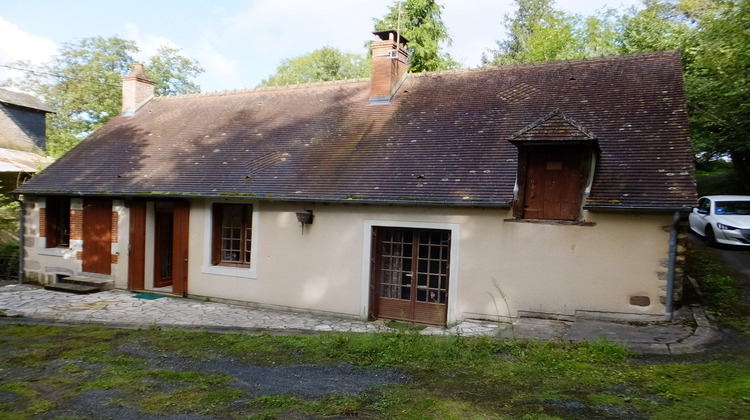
x=391, y=35
x=138, y=74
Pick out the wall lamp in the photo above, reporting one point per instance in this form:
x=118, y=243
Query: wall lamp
x=305, y=217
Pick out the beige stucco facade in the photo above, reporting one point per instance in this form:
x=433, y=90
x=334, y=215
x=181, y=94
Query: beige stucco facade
x=498, y=266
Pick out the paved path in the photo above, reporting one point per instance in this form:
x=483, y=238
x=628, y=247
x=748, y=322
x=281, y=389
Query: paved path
x=119, y=308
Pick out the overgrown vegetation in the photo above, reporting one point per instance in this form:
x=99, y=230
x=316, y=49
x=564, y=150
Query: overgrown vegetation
x=727, y=299
x=47, y=369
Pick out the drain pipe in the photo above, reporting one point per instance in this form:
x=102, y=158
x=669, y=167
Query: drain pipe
x=672, y=263
x=21, y=241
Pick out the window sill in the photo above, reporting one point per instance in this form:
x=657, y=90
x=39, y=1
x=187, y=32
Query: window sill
x=551, y=222
x=230, y=271
x=55, y=252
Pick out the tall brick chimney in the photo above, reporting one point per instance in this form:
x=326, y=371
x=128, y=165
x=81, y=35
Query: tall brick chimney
x=389, y=66
x=137, y=90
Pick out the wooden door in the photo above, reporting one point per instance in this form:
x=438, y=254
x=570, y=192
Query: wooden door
x=553, y=185
x=163, y=248
x=97, y=236
x=137, y=246
x=180, y=244
x=410, y=275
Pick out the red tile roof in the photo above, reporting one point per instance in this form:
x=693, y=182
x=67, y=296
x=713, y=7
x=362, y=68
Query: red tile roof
x=445, y=138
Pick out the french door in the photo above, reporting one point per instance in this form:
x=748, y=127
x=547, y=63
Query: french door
x=410, y=271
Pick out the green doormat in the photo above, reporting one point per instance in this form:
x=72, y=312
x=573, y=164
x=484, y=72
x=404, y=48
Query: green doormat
x=148, y=296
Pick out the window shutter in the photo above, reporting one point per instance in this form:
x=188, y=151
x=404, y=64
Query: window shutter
x=216, y=213
x=52, y=214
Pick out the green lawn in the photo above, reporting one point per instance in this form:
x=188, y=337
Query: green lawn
x=96, y=372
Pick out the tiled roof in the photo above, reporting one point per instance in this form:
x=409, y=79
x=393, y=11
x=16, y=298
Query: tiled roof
x=445, y=138
x=554, y=128
x=24, y=100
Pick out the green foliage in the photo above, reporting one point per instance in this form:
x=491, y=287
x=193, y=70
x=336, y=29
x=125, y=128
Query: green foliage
x=714, y=39
x=539, y=32
x=718, y=85
x=423, y=26
x=325, y=64
x=83, y=85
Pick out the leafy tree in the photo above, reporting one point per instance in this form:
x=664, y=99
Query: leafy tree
x=423, y=26
x=661, y=25
x=539, y=32
x=83, y=84
x=324, y=64
x=718, y=85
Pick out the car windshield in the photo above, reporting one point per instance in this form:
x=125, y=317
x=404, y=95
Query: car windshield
x=733, y=208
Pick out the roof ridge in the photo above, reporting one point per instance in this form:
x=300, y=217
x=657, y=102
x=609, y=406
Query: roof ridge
x=551, y=63
x=265, y=88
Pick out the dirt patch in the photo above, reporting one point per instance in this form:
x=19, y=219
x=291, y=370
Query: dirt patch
x=310, y=381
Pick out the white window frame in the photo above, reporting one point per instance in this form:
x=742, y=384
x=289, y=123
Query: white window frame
x=223, y=270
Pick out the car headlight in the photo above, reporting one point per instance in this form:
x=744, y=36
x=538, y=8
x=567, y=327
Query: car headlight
x=722, y=226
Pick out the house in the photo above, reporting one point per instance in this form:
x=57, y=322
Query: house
x=23, y=138
x=546, y=189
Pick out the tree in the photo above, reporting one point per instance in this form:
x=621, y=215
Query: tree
x=83, y=84
x=324, y=64
x=539, y=32
x=718, y=85
x=423, y=26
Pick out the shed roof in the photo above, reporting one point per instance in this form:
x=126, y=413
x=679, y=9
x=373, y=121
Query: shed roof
x=23, y=100
x=444, y=138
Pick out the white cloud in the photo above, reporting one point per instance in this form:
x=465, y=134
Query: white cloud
x=148, y=44
x=19, y=45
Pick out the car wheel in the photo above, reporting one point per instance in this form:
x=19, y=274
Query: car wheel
x=709, y=237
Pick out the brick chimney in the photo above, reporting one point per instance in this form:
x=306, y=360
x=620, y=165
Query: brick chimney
x=389, y=66
x=137, y=90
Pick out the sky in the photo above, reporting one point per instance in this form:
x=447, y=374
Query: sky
x=241, y=42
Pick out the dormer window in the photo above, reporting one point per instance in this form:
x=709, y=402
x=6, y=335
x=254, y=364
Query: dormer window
x=556, y=159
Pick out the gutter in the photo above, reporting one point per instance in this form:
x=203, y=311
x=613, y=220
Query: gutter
x=669, y=312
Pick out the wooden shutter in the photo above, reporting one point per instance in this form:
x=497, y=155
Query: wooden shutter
x=97, y=236
x=180, y=244
x=50, y=230
x=216, y=214
x=137, y=247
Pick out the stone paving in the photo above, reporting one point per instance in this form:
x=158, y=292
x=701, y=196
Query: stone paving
x=690, y=331
x=119, y=307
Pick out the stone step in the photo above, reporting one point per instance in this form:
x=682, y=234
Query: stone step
x=78, y=289
x=102, y=284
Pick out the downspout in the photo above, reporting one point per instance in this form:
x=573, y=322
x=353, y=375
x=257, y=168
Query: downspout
x=672, y=263
x=21, y=241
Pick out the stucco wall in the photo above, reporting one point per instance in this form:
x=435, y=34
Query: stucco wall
x=498, y=267
x=537, y=267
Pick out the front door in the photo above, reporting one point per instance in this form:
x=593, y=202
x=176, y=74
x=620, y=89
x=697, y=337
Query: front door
x=170, y=244
x=97, y=236
x=163, y=248
x=409, y=274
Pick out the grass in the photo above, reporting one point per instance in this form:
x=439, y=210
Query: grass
x=450, y=377
x=45, y=369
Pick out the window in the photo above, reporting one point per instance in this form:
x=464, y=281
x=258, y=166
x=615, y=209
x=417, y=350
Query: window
x=232, y=234
x=57, y=229
x=554, y=183
x=556, y=160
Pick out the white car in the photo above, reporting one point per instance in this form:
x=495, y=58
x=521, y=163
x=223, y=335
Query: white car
x=723, y=219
